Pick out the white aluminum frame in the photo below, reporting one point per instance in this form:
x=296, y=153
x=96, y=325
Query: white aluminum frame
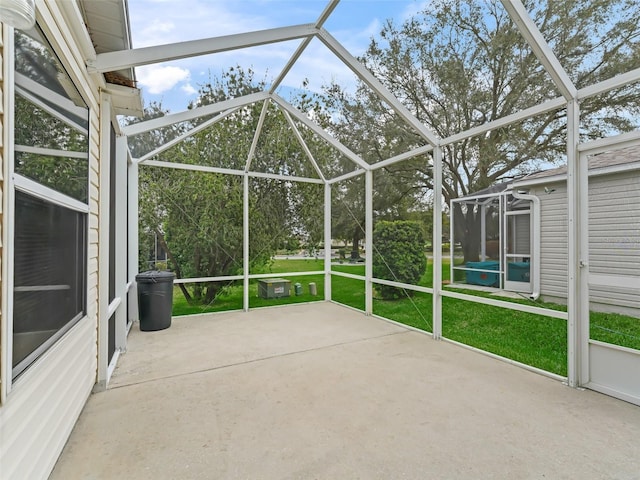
x=594, y=354
x=577, y=173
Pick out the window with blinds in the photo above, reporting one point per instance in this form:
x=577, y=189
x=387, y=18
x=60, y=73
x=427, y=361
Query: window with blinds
x=50, y=188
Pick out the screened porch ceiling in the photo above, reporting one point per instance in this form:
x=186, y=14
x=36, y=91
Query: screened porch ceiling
x=301, y=123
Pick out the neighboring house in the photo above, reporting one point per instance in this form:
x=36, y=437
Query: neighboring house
x=64, y=188
x=614, y=230
x=523, y=234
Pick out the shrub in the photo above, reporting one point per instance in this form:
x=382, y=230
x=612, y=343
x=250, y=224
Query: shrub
x=398, y=255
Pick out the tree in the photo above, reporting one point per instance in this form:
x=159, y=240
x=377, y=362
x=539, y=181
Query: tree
x=462, y=63
x=399, y=255
x=198, y=216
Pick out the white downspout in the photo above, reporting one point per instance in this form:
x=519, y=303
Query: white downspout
x=535, y=294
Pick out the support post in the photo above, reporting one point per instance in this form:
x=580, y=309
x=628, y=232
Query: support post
x=132, y=234
x=103, y=236
x=437, y=244
x=368, y=242
x=327, y=242
x=578, y=293
x=245, y=243
x=120, y=204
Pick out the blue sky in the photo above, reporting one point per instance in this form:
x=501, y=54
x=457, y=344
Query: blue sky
x=157, y=22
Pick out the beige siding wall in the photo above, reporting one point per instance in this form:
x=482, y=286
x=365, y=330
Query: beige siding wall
x=614, y=238
x=47, y=399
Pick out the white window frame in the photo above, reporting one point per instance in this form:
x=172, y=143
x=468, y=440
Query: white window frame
x=15, y=182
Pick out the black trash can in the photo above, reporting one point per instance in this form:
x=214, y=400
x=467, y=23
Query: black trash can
x=155, y=299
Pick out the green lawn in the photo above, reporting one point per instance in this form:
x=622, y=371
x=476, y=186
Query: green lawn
x=535, y=340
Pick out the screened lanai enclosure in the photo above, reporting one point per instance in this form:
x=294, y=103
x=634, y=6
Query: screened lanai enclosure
x=254, y=171
x=465, y=172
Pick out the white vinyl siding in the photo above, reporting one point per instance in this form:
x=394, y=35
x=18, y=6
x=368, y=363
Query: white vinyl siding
x=614, y=237
x=553, y=240
x=45, y=403
x=46, y=400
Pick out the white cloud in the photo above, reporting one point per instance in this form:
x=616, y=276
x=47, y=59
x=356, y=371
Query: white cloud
x=158, y=79
x=188, y=89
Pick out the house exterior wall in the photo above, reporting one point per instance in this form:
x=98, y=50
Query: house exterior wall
x=44, y=403
x=614, y=239
x=554, y=248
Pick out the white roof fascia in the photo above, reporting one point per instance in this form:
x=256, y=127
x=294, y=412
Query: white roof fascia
x=545, y=107
x=186, y=135
x=403, y=156
x=73, y=17
x=541, y=49
x=609, y=84
x=303, y=144
x=186, y=115
x=125, y=100
x=110, y=61
x=320, y=131
x=367, y=77
x=305, y=43
x=256, y=134
x=478, y=197
x=594, y=172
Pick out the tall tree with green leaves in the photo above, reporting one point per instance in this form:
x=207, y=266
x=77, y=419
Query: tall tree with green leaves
x=459, y=64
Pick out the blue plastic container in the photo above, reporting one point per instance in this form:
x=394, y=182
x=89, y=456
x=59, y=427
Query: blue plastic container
x=486, y=279
x=518, y=272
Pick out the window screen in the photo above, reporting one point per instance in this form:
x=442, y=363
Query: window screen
x=49, y=273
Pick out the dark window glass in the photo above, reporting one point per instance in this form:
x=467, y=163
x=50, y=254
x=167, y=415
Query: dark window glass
x=49, y=272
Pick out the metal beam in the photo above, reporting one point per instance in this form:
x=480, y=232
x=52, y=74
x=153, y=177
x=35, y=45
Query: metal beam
x=403, y=156
x=186, y=115
x=347, y=176
x=303, y=144
x=436, y=322
x=245, y=243
x=541, y=49
x=186, y=135
x=604, y=144
x=327, y=242
x=609, y=84
x=230, y=171
x=320, y=131
x=326, y=13
x=368, y=242
x=576, y=189
x=112, y=61
x=303, y=46
x=545, y=107
x=256, y=135
x=367, y=77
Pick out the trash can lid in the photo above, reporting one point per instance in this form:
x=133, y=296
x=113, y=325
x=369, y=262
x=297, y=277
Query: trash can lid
x=155, y=276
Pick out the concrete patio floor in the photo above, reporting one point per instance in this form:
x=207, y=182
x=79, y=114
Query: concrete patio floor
x=320, y=391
